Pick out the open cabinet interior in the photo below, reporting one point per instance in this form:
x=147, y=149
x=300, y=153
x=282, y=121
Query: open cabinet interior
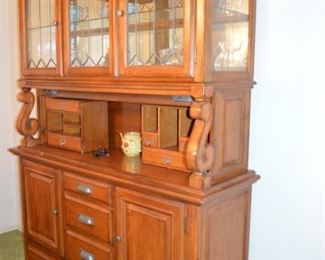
x=161, y=127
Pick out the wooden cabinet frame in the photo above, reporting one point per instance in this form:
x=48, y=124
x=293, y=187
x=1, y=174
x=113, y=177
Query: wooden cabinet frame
x=199, y=210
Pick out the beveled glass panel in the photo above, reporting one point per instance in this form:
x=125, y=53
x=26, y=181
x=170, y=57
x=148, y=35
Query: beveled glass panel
x=230, y=35
x=155, y=33
x=40, y=34
x=89, y=33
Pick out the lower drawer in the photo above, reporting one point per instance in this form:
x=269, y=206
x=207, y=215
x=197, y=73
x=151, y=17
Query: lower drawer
x=80, y=247
x=88, y=218
x=166, y=158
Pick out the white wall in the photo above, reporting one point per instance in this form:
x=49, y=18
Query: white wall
x=287, y=131
x=9, y=198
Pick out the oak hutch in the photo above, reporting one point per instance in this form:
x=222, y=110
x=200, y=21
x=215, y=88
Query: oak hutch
x=179, y=72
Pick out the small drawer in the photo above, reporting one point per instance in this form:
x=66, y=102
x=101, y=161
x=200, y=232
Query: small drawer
x=64, y=141
x=89, y=218
x=165, y=158
x=80, y=247
x=63, y=105
x=71, y=118
x=150, y=139
x=89, y=188
x=72, y=129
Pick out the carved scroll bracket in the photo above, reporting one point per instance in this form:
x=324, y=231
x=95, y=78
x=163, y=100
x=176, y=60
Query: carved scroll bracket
x=199, y=153
x=25, y=125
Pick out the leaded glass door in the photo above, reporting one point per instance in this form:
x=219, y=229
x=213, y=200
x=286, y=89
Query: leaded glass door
x=40, y=37
x=87, y=37
x=230, y=30
x=155, y=37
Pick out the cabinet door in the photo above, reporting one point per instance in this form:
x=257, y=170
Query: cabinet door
x=87, y=37
x=42, y=212
x=229, y=39
x=40, y=30
x=148, y=227
x=156, y=38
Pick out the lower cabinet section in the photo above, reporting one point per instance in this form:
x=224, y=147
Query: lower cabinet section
x=80, y=247
x=72, y=216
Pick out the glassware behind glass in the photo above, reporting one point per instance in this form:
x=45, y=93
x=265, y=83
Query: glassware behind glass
x=89, y=33
x=41, y=34
x=155, y=32
x=230, y=35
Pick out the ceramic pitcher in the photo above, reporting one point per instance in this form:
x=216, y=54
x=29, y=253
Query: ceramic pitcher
x=131, y=143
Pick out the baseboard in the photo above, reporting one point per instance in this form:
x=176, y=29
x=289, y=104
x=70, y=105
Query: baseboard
x=9, y=229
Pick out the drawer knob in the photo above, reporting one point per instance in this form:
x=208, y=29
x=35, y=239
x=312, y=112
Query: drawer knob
x=62, y=142
x=119, y=13
x=118, y=238
x=84, y=188
x=147, y=142
x=87, y=220
x=55, y=212
x=166, y=160
x=86, y=255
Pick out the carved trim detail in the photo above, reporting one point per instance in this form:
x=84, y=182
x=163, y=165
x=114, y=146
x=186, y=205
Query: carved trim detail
x=200, y=153
x=25, y=125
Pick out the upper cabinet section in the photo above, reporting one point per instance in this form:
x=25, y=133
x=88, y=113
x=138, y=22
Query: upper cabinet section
x=87, y=38
x=138, y=40
x=40, y=41
x=156, y=38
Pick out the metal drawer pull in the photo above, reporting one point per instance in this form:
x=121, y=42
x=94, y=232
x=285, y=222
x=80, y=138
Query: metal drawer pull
x=147, y=142
x=84, y=188
x=166, y=160
x=62, y=142
x=87, y=220
x=86, y=255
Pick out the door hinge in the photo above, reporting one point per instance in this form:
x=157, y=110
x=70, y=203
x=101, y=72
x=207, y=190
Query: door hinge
x=195, y=54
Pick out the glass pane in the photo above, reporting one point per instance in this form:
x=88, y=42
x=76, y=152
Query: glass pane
x=230, y=35
x=155, y=32
x=89, y=33
x=41, y=34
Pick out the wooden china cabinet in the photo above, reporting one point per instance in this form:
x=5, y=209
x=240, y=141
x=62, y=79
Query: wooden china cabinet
x=180, y=73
